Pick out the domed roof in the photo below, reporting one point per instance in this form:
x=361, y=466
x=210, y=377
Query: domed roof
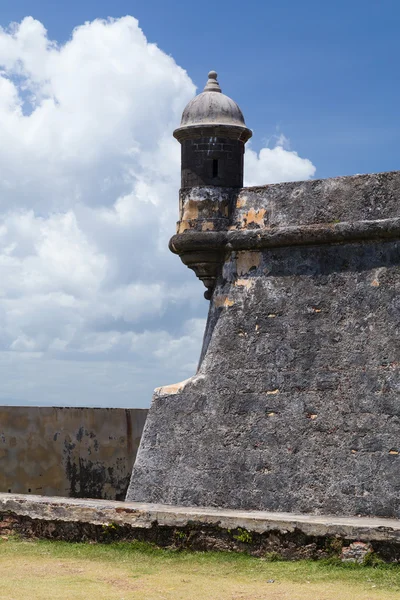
x=212, y=107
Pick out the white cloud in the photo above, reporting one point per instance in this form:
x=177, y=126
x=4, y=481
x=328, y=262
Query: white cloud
x=93, y=307
x=273, y=165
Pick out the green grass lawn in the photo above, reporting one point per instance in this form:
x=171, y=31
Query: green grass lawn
x=124, y=571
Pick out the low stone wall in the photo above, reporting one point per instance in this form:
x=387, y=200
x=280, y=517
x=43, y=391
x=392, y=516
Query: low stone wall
x=263, y=534
x=78, y=452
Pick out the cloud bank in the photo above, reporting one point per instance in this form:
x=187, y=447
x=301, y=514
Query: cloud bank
x=93, y=308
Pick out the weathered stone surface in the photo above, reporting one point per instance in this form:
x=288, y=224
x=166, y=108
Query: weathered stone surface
x=356, y=552
x=289, y=536
x=295, y=406
x=81, y=452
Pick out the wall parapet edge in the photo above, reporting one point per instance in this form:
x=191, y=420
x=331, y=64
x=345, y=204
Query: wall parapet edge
x=324, y=233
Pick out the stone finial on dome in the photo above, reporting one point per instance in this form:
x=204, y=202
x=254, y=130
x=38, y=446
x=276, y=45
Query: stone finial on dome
x=212, y=84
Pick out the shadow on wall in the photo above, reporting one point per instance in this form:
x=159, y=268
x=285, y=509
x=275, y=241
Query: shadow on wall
x=73, y=452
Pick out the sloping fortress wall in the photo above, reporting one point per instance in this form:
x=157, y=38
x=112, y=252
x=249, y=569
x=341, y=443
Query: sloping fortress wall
x=296, y=403
x=78, y=452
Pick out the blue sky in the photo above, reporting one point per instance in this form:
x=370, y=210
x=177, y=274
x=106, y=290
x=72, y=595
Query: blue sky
x=325, y=73
x=94, y=309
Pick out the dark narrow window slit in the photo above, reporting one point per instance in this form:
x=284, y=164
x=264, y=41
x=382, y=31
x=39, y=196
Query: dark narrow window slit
x=215, y=167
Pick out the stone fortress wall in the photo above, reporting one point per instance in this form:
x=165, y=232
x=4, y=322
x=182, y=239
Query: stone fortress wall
x=78, y=452
x=296, y=403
